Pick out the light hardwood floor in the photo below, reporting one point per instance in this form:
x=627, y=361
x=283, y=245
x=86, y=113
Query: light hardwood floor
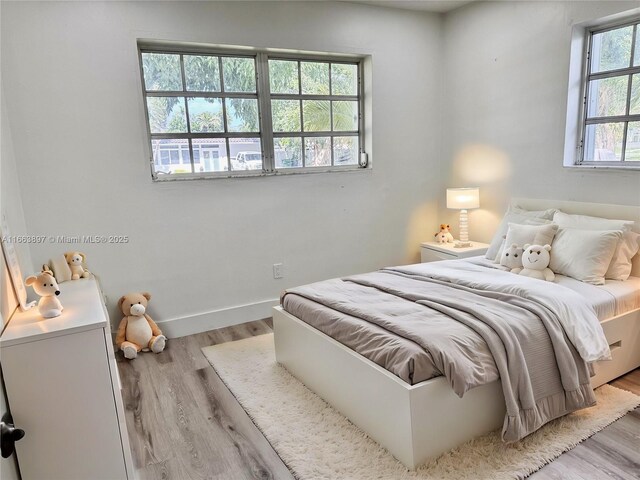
x=185, y=424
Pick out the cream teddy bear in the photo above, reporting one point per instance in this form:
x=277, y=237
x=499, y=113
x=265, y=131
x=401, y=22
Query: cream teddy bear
x=46, y=286
x=137, y=332
x=75, y=260
x=512, y=258
x=535, y=262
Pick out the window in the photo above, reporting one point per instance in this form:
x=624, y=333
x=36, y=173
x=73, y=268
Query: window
x=221, y=113
x=610, y=133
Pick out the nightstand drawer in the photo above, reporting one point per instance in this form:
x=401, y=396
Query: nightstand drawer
x=433, y=251
x=429, y=255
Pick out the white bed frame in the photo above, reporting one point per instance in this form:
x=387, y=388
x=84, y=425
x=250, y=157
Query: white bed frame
x=418, y=422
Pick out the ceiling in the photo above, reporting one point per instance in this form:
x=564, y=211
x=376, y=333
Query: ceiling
x=423, y=5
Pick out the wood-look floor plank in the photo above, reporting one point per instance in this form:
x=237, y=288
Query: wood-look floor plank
x=184, y=423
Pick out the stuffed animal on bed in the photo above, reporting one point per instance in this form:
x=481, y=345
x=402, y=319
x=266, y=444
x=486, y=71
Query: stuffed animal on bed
x=512, y=258
x=535, y=262
x=137, y=332
x=444, y=236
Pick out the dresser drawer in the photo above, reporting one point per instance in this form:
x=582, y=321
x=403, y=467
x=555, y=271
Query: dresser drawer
x=429, y=255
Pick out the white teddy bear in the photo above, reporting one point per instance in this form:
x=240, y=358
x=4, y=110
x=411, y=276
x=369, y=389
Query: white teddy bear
x=512, y=258
x=46, y=286
x=535, y=262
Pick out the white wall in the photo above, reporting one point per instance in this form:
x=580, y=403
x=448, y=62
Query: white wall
x=73, y=91
x=11, y=209
x=506, y=70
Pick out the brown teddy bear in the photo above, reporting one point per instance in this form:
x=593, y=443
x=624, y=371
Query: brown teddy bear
x=444, y=236
x=137, y=331
x=75, y=261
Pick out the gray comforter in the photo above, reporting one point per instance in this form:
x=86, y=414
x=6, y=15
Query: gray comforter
x=542, y=374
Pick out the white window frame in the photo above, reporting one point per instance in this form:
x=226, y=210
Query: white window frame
x=579, y=77
x=264, y=96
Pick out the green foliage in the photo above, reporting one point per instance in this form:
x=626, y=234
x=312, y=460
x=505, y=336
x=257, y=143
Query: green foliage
x=283, y=76
x=161, y=72
x=239, y=74
x=206, y=122
x=202, y=73
x=315, y=78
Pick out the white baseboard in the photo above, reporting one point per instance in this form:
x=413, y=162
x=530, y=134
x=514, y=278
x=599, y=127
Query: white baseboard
x=225, y=317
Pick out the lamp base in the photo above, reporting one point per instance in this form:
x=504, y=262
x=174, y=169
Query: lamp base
x=460, y=244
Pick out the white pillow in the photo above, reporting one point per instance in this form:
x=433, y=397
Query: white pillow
x=584, y=254
x=628, y=245
x=528, y=234
x=520, y=216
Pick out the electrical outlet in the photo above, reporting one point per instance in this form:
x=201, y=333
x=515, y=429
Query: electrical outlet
x=278, y=270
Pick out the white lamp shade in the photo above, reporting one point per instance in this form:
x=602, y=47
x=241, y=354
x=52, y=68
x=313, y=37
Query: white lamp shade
x=463, y=198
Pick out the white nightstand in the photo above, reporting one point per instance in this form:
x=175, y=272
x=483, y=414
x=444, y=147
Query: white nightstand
x=433, y=251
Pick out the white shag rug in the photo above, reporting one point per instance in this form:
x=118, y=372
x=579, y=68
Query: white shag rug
x=316, y=442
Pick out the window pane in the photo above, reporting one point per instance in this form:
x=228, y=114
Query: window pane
x=242, y=114
x=286, y=115
x=246, y=153
x=345, y=150
x=603, y=142
x=283, y=75
x=315, y=78
x=171, y=156
x=205, y=115
x=288, y=152
x=239, y=74
x=167, y=114
x=345, y=116
x=634, y=106
x=202, y=73
x=317, y=151
x=608, y=96
x=611, y=50
x=209, y=155
x=161, y=72
x=632, y=152
x=317, y=117
x=344, y=79
x=636, y=53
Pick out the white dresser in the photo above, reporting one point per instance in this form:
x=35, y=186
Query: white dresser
x=64, y=391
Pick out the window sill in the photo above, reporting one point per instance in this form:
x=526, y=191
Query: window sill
x=278, y=173
x=635, y=168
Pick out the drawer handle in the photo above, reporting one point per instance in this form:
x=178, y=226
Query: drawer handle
x=615, y=345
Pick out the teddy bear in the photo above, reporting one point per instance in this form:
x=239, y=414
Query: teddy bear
x=444, y=236
x=512, y=258
x=45, y=285
x=75, y=261
x=137, y=331
x=535, y=262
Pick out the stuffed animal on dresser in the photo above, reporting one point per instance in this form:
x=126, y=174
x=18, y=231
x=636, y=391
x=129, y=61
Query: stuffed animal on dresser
x=535, y=262
x=46, y=286
x=137, y=331
x=512, y=258
x=75, y=260
x=444, y=236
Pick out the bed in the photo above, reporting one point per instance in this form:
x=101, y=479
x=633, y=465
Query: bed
x=399, y=397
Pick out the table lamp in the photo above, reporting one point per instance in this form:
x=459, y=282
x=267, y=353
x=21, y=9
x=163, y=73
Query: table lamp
x=463, y=199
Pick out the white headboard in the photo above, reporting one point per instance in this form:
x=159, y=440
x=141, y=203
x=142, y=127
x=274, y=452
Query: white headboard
x=618, y=212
